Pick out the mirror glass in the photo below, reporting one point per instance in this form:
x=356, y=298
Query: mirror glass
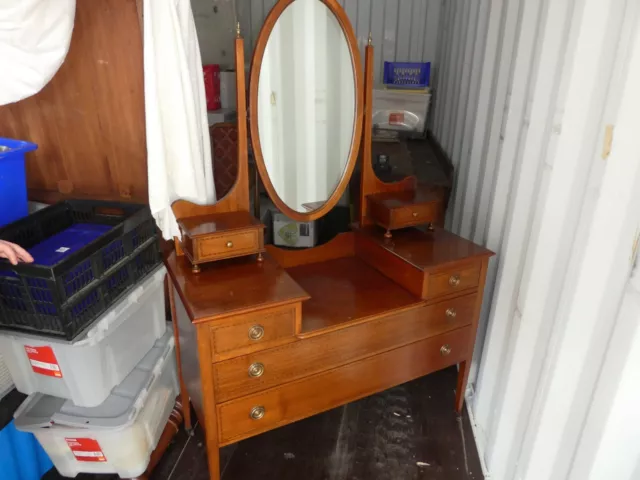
x=306, y=105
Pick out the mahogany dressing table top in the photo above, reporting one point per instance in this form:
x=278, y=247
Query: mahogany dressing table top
x=231, y=287
x=346, y=291
x=339, y=289
x=427, y=251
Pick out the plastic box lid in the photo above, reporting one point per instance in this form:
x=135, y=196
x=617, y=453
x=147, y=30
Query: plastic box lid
x=120, y=408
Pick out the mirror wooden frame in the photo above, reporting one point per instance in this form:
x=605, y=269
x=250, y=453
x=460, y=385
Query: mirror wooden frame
x=256, y=64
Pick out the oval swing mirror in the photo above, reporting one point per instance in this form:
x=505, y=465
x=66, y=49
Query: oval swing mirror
x=306, y=105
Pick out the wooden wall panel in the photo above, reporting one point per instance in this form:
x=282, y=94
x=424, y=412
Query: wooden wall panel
x=89, y=120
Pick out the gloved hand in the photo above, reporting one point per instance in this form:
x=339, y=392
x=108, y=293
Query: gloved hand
x=14, y=253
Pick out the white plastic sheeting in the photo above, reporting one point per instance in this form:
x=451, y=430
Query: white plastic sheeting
x=34, y=41
x=178, y=146
x=537, y=104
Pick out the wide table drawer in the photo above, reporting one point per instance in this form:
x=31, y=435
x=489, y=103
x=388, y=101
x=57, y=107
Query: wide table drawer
x=253, y=414
x=261, y=370
x=255, y=331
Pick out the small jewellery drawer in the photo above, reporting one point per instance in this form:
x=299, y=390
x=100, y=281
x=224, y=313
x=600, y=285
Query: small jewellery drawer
x=255, y=331
x=409, y=216
x=253, y=414
x=454, y=280
x=261, y=370
x=230, y=245
x=394, y=210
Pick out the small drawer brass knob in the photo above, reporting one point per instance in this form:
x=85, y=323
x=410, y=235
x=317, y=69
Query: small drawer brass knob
x=445, y=350
x=451, y=313
x=256, y=332
x=454, y=280
x=415, y=214
x=256, y=369
x=256, y=413
x=229, y=244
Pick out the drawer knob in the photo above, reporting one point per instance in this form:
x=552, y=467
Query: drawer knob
x=445, y=350
x=256, y=332
x=451, y=313
x=454, y=280
x=415, y=214
x=256, y=369
x=229, y=244
x=256, y=413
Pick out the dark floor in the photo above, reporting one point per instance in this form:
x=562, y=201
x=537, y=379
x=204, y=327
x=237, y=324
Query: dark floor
x=407, y=433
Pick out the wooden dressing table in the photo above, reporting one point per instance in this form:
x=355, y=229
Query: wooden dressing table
x=266, y=342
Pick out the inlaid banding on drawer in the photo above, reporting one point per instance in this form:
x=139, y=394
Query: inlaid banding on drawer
x=253, y=414
x=454, y=280
x=229, y=245
x=415, y=215
x=233, y=378
x=255, y=331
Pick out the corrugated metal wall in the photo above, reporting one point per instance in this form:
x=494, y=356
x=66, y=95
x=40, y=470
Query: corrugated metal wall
x=526, y=95
x=404, y=30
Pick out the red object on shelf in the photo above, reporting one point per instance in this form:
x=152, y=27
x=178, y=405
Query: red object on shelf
x=212, y=86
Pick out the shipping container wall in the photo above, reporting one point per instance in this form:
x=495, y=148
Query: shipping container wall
x=475, y=54
x=406, y=30
x=536, y=102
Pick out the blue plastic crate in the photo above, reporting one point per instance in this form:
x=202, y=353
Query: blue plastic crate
x=13, y=179
x=407, y=74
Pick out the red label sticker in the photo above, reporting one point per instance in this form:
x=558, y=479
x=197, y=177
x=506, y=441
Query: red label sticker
x=43, y=361
x=86, y=449
x=396, y=118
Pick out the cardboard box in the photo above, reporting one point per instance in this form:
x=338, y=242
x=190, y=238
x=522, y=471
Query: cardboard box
x=289, y=233
x=222, y=115
x=228, y=89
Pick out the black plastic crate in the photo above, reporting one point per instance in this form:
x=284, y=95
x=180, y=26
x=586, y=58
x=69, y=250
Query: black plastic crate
x=63, y=299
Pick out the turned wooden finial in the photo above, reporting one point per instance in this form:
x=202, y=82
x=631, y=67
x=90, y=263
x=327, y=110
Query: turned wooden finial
x=237, y=29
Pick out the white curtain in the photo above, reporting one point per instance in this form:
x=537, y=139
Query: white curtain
x=178, y=148
x=34, y=41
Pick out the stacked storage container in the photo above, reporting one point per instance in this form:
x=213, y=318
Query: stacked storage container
x=401, y=105
x=117, y=436
x=84, y=334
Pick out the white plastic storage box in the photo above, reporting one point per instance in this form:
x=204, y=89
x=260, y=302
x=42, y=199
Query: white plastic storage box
x=87, y=368
x=117, y=436
x=400, y=110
